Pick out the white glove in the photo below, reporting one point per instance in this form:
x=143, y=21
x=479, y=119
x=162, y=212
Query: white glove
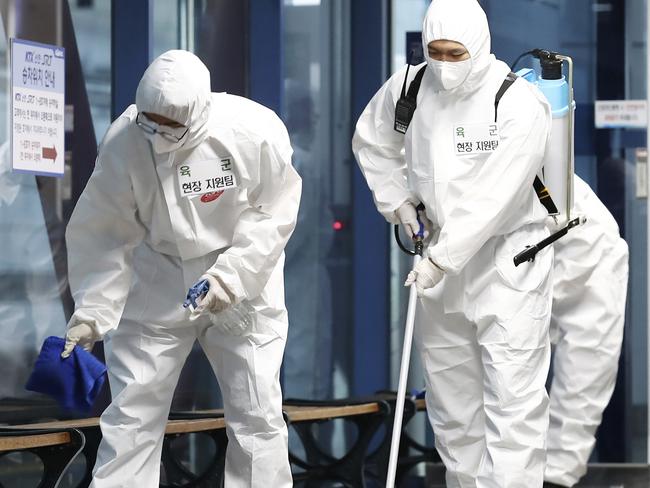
x=408, y=217
x=217, y=298
x=81, y=334
x=425, y=275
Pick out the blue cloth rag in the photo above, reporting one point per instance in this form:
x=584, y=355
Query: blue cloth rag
x=74, y=382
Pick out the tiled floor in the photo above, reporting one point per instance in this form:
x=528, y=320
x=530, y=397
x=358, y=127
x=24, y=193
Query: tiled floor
x=598, y=476
x=616, y=476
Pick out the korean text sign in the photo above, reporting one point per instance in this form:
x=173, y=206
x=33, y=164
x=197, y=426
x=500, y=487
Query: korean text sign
x=37, y=108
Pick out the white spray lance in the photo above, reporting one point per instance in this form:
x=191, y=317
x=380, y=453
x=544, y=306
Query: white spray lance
x=418, y=240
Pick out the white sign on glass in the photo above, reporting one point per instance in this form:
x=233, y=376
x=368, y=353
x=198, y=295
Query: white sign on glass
x=37, y=108
x=622, y=114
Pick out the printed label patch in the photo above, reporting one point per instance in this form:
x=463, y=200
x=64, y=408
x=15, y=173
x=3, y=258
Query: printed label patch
x=205, y=177
x=476, y=139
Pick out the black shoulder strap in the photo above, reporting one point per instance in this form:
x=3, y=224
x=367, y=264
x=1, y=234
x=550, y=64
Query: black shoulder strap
x=414, y=87
x=507, y=83
x=540, y=189
x=544, y=196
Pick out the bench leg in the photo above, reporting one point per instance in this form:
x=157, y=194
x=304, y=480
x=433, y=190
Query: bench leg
x=56, y=459
x=348, y=470
x=178, y=476
x=212, y=477
x=413, y=453
x=316, y=462
x=93, y=437
x=376, y=464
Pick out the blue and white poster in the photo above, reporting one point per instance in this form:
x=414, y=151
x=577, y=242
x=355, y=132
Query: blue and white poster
x=37, y=108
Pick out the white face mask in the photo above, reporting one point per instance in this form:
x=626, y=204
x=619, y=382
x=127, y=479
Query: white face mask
x=161, y=145
x=448, y=75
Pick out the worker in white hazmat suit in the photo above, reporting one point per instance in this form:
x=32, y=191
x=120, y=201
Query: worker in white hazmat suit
x=143, y=232
x=482, y=323
x=590, y=288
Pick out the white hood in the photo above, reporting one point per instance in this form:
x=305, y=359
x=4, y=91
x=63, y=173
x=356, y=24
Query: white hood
x=462, y=21
x=176, y=85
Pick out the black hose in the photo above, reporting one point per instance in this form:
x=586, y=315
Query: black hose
x=400, y=243
x=522, y=56
x=418, y=242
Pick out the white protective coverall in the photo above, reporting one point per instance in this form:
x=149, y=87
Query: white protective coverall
x=590, y=288
x=135, y=246
x=482, y=332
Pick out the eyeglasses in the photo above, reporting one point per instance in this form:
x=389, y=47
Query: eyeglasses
x=171, y=135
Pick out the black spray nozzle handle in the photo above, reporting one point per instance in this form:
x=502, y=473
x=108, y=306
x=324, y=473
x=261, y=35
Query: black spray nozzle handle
x=530, y=252
x=419, y=245
x=195, y=292
x=527, y=254
x=418, y=239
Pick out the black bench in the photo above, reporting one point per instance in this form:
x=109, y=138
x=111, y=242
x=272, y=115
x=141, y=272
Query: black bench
x=367, y=415
x=351, y=469
x=300, y=415
x=411, y=452
x=56, y=448
x=178, y=425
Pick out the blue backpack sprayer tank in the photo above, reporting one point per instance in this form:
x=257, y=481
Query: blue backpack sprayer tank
x=559, y=159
